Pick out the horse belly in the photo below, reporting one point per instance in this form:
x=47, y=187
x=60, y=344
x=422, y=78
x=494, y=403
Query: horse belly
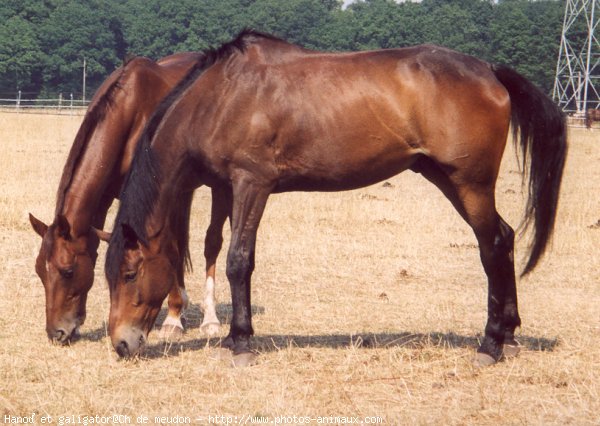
x=336, y=165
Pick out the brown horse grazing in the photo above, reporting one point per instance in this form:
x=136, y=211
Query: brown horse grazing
x=261, y=116
x=97, y=163
x=591, y=115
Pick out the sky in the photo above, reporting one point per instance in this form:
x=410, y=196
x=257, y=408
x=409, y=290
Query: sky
x=347, y=2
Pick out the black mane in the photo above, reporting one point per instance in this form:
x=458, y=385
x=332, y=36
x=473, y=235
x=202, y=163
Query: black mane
x=141, y=187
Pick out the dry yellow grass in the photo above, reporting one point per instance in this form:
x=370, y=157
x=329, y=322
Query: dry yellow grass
x=367, y=303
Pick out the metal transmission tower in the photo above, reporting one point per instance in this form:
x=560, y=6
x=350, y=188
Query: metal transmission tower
x=577, y=82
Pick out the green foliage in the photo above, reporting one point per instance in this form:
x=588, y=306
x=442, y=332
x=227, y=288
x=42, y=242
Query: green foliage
x=75, y=31
x=20, y=55
x=43, y=42
x=452, y=26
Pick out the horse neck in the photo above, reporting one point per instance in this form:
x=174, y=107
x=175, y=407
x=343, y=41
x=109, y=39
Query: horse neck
x=97, y=173
x=167, y=186
x=173, y=239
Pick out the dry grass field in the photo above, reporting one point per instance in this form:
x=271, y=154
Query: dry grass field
x=366, y=303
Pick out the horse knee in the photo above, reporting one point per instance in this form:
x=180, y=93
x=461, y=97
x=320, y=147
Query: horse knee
x=239, y=265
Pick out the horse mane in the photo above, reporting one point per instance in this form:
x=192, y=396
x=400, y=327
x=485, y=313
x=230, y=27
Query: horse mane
x=141, y=186
x=96, y=113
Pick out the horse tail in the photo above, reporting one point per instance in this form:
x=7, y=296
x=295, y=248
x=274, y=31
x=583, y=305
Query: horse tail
x=540, y=131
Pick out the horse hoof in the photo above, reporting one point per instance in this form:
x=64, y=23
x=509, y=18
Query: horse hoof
x=483, y=360
x=210, y=329
x=170, y=332
x=227, y=343
x=511, y=350
x=246, y=359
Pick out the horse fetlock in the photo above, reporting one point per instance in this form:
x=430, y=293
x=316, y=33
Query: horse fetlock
x=491, y=347
x=238, y=344
x=185, y=298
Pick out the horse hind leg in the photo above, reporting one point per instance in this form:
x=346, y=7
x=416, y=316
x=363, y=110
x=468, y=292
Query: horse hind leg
x=475, y=202
x=220, y=210
x=173, y=326
x=496, y=245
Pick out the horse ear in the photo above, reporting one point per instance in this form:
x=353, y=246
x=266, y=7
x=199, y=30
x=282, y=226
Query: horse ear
x=132, y=241
x=63, y=227
x=102, y=235
x=38, y=226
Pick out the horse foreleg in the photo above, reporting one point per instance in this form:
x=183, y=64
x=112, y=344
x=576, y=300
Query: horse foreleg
x=249, y=201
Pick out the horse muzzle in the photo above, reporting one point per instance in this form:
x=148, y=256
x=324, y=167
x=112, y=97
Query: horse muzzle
x=128, y=342
x=63, y=334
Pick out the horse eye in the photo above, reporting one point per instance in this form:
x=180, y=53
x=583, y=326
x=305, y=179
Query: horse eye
x=130, y=276
x=66, y=273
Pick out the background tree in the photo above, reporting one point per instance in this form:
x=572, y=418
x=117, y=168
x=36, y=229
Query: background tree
x=20, y=56
x=545, y=40
x=375, y=23
x=78, y=30
x=43, y=42
x=510, y=36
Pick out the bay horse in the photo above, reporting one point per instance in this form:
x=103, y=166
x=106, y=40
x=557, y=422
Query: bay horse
x=263, y=116
x=92, y=176
x=591, y=115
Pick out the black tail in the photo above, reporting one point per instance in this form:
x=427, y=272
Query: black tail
x=539, y=128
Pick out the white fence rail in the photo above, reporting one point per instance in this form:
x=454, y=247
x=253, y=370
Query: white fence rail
x=60, y=105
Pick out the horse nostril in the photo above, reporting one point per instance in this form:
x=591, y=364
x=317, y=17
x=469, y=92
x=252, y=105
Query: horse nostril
x=66, y=273
x=58, y=336
x=122, y=349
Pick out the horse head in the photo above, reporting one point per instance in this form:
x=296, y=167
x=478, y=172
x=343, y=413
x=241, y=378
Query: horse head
x=66, y=268
x=146, y=275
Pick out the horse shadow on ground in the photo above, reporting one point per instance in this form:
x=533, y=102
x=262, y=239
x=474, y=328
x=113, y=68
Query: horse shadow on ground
x=363, y=340
x=95, y=335
x=192, y=319
x=193, y=315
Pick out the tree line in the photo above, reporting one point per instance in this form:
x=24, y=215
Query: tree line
x=43, y=43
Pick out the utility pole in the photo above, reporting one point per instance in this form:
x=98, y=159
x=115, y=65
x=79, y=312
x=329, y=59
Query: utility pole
x=577, y=82
x=83, y=96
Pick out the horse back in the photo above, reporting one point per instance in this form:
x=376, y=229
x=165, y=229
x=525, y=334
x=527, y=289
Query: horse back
x=338, y=121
